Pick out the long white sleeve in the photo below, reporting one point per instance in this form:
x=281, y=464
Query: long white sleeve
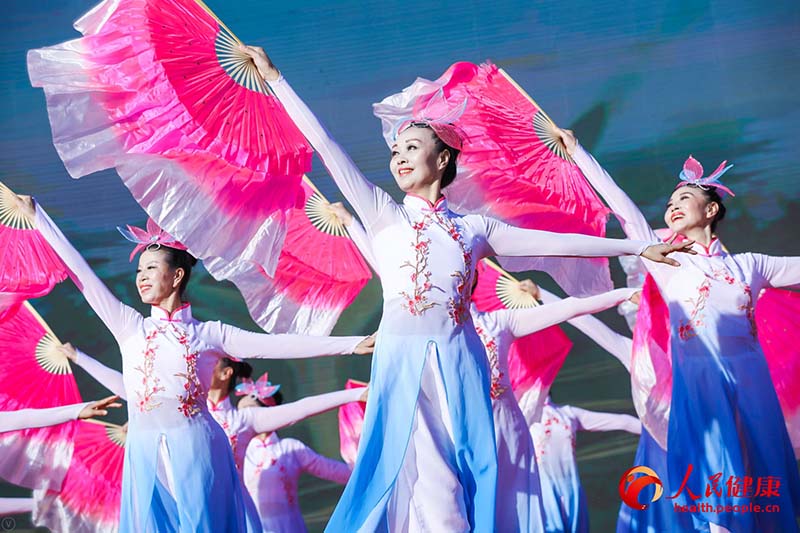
x=367, y=200
x=617, y=345
x=360, y=239
x=634, y=224
x=523, y=322
x=39, y=418
x=598, y=421
x=268, y=419
x=778, y=271
x=251, y=345
x=320, y=466
x=9, y=506
x=512, y=241
x=107, y=377
x=120, y=319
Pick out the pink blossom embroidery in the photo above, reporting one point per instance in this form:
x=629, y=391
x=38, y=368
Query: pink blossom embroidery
x=151, y=385
x=190, y=400
x=496, y=388
x=417, y=302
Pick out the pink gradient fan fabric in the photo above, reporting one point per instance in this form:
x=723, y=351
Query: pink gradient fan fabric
x=533, y=360
x=777, y=313
x=351, y=418
x=506, y=170
x=319, y=274
x=145, y=91
x=33, y=458
x=651, y=362
x=89, y=500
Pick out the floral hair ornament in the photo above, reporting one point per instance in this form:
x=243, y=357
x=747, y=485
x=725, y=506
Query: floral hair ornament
x=151, y=239
x=261, y=389
x=692, y=174
x=443, y=125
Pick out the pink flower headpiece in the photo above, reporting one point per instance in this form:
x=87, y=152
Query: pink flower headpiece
x=692, y=174
x=443, y=125
x=151, y=239
x=261, y=389
x=426, y=103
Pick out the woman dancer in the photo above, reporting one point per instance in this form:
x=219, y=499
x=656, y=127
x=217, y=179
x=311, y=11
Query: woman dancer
x=39, y=418
x=724, y=418
x=563, y=498
x=273, y=466
x=427, y=459
x=167, y=358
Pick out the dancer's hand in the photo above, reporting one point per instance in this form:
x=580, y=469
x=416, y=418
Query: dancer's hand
x=25, y=205
x=344, y=216
x=531, y=288
x=658, y=252
x=366, y=347
x=68, y=351
x=635, y=298
x=99, y=408
x=364, y=395
x=263, y=63
x=568, y=140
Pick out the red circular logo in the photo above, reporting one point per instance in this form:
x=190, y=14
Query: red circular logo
x=630, y=486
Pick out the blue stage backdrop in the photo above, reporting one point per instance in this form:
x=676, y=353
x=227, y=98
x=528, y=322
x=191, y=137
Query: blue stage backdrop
x=643, y=84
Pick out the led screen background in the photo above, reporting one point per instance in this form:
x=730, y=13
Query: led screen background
x=643, y=85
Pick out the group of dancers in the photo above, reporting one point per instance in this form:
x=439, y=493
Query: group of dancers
x=445, y=445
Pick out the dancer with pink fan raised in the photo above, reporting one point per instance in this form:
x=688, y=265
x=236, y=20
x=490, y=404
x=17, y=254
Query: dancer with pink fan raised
x=700, y=380
x=426, y=457
x=167, y=359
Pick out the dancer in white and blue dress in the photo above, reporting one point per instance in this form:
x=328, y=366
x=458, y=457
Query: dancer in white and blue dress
x=166, y=358
x=272, y=469
x=241, y=423
x=427, y=458
x=724, y=416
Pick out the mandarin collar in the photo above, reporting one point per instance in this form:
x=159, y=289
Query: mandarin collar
x=223, y=405
x=423, y=204
x=714, y=249
x=181, y=314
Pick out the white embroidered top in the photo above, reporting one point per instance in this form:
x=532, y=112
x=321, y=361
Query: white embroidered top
x=168, y=358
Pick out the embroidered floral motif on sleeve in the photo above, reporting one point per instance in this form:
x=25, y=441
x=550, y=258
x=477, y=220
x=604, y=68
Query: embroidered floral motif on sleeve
x=151, y=385
x=417, y=303
x=496, y=388
x=190, y=400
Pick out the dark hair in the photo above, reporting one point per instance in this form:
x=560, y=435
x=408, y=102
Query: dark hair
x=278, y=397
x=241, y=370
x=180, y=259
x=449, y=173
x=711, y=195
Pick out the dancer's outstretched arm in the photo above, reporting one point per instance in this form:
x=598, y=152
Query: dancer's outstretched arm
x=120, y=319
x=318, y=465
x=522, y=322
x=357, y=234
x=9, y=506
x=634, y=224
x=244, y=344
x=598, y=421
x=268, y=419
x=39, y=418
x=368, y=200
x=778, y=271
x=617, y=345
x=512, y=241
x=106, y=376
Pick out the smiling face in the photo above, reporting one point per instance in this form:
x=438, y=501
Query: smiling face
x=155, y=279
x=417, y=161
x=689, y=209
